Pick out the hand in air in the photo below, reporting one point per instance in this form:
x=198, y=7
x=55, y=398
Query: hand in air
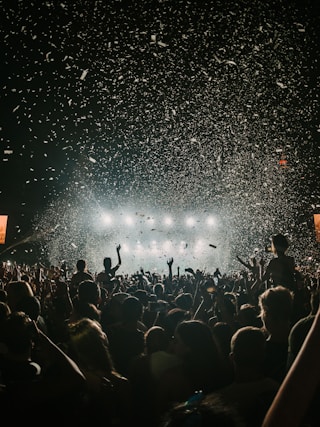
x=170, y=262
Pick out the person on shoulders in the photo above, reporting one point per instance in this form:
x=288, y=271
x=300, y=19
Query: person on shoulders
x=107, y=277
x=79, y=276
x=281, y=269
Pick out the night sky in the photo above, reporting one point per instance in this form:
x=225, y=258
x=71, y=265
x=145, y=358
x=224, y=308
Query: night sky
x=156, y=107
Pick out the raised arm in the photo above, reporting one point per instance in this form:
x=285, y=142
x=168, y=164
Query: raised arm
x=170, y=262
x=202, y=305
x=244, y=263
x=61, y=376
x=118, y=254
x=117, y=266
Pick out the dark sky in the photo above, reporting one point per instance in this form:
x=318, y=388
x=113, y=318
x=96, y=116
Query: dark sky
x=165, y=105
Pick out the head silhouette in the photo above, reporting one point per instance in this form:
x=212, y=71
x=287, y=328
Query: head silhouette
x=107, y=263
x=279, y=243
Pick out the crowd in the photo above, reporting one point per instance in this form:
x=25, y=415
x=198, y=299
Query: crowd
x=192, y=349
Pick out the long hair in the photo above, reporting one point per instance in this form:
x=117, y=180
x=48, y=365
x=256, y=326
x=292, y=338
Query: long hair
x=88, y=345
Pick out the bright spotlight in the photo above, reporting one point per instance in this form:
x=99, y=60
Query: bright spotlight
x=128, y=220
x=211, y=221
x=190, y=222
x=107, y=219
x=168, y=220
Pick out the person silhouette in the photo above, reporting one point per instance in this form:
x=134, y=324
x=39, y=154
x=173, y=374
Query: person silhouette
x=106, y=278
x=281, y=268
x=79, y=275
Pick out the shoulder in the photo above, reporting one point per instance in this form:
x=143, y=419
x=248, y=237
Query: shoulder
x=114, y=269
x=101, y=275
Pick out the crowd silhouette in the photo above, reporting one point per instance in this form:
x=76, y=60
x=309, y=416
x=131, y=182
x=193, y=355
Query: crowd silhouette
x=193, y=349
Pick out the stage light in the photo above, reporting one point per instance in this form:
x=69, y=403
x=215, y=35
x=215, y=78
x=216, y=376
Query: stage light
x=107, y=219
x=168, y=220
x=190, y=222
x=210, y=221
x=128, y=220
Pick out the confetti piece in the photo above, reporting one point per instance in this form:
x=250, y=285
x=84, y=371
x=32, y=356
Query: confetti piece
x=84, y=74
x=282, y=85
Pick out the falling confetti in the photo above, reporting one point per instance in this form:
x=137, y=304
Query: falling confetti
x=169, y=108
x=84, y=74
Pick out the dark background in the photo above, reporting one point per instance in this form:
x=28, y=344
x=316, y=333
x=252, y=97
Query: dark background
x=162, y=106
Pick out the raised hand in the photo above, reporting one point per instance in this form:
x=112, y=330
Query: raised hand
x=170, y=262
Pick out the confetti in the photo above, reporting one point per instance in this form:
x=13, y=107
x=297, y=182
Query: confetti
x=185, y=110
x=84, y=74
